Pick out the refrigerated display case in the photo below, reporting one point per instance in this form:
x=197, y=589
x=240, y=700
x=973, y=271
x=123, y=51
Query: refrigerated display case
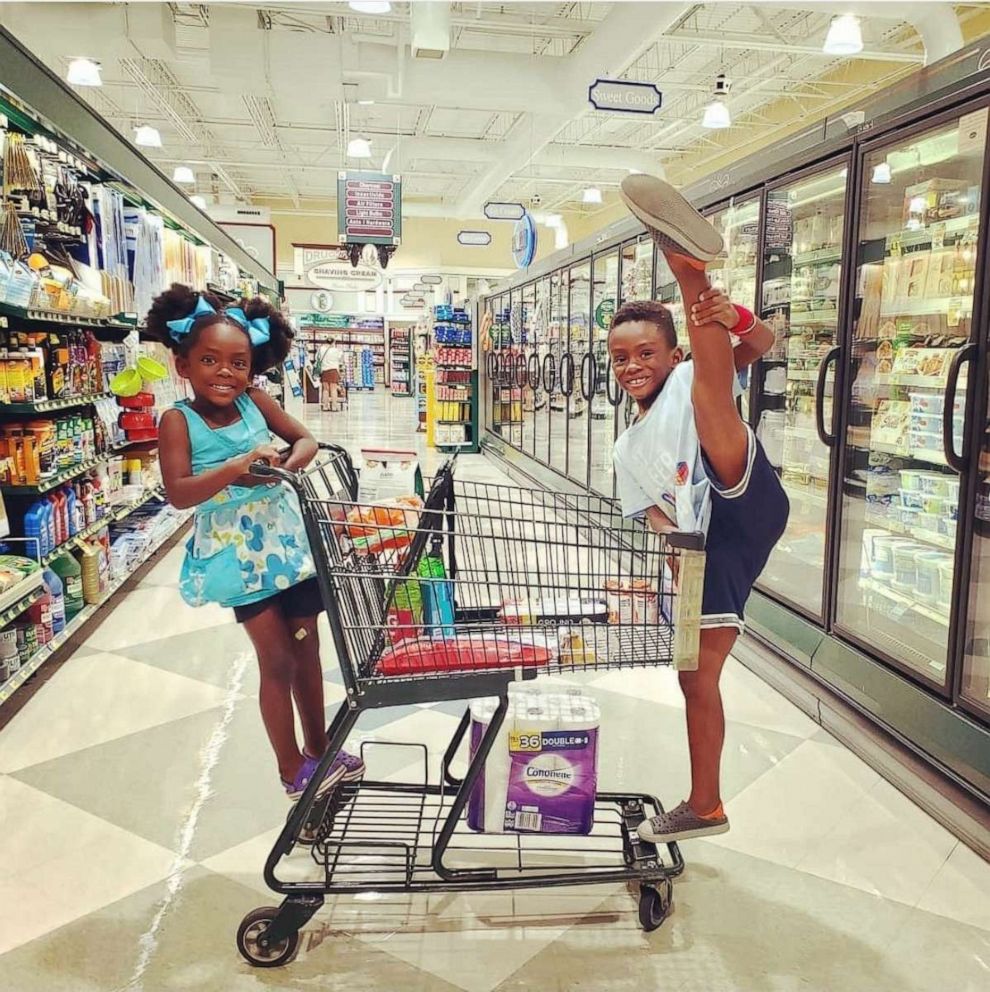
x=575, y=375
x=801, y=302
x=528, y=380
x=864, y=248
x=917, y=243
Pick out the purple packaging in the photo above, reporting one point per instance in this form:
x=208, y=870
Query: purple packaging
x=538, y=780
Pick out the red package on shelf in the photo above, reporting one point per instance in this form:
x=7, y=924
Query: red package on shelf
x=466, y=653
x=138, y=402
x=137, y=421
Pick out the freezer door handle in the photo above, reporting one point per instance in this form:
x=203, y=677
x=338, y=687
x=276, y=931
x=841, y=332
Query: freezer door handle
x=522, y=376
x=589, y=376
x=549, y=374
x=533, y=370
x=615, y=398
x=824, y=436
x=567, y=381
x=963, y=355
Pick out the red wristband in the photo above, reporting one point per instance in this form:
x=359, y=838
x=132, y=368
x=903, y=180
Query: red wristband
x=747, y=321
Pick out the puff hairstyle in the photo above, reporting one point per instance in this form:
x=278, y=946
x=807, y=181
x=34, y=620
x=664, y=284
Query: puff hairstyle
x=179, y=301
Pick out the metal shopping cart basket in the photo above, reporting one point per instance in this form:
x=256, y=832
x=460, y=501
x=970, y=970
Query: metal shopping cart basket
x=512, y=583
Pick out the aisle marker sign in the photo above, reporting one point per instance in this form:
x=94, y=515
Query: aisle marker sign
x=504, y=211
x=619, y=96
x=369, y=208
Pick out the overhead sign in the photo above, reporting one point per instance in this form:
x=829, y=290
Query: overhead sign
x=328, y=267
x=504, y=211
x=432, y=280
x=369, y=208
x=620, y=96
x=321, y=301
x=604, y=313
x=474, y=239
x=524, y=242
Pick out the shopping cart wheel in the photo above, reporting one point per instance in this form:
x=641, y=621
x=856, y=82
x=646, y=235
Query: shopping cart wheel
x=256, y=949
x=655, y=904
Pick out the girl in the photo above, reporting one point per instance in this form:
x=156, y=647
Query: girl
x=249, y=548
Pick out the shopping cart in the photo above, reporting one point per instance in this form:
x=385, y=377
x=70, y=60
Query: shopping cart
x=529, y=583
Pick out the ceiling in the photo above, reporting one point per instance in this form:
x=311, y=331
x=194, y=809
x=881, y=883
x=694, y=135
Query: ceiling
x=261, y=101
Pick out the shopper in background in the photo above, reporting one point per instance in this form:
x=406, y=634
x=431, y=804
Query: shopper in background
x=689, y=462
x=249, y=548
x=329, y=362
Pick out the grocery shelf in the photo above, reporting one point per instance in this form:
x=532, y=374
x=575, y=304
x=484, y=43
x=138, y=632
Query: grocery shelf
x=66, y=475
x=902, y=600
x=954, y=225
x=8, y=688
x=926, y=537
x=15, y=600
x=814, y=317
x=804, y=494
x=918, y=454
x=802, y=375
x=929, y=306
x=48, y=406
x=816, y=257
x=49, y=317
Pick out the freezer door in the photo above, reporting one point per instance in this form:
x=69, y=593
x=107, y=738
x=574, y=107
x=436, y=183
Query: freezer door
x=545, y=315
x=801, y=276
x=916, y=261
x=579, y=346
x=559, y=347
x=527, y=362
x=604, y=300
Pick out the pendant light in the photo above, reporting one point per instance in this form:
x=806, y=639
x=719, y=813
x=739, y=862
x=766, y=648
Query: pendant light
x=359, y=148
x=370, y=6
x=592, y=195
x=147, y=136
x=844, y=36
x=717, y=115
x=881, y=174
x=183, y=174
x=84, y=72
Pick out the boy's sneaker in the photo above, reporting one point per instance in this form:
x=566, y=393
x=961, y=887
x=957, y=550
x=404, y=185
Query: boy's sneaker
x=682, y=823
x=297, y=786
x=675, y=225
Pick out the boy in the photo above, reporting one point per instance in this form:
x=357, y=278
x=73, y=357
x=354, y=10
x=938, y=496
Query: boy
x=689, y=462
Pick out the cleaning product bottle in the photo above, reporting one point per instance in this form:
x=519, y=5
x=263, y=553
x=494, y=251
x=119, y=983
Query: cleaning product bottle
x=55, y=589
x=36, y=531
x=48, y=515
x=57, y=501
x=40, y=614
x=71, y=511
x=68, y=569
x=437, y=592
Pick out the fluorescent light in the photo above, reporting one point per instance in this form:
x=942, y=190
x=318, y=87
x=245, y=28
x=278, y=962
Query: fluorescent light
x=183, y=174
x=553, y=220
x=635, y=172
x=844, y=36
x=359, y=148
x=881, y=174
x=198, y=201
x=370, y=6
x=592, y=195
x=147, y=136
x=717, y=116
x=366, y=103
x=84, y=72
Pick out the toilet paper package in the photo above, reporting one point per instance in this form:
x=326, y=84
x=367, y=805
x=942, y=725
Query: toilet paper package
x=541, y=775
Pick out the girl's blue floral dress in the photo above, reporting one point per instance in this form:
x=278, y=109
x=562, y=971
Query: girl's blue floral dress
x=248, y=542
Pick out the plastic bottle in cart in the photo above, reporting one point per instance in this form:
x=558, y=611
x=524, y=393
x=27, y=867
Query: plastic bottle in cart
x=57, y=592
x=438, y=599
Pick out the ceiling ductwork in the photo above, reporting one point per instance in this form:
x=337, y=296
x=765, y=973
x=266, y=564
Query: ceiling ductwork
x=429, y=23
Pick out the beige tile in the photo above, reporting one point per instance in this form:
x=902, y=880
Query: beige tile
x=961, y=889
x=95, y=699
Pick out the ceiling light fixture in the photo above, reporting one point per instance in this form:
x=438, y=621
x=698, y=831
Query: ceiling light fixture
x=370, y=6
x=844, y=36
x=366, y=103
x=592, y=195
x=198, y=201
x=717, y=115
x=147, y=136
x=183, y=174
x=881, y=174
x=359, y=148
x=84, y=72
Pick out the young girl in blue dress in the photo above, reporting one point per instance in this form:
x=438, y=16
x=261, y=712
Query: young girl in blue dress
x=249, y=548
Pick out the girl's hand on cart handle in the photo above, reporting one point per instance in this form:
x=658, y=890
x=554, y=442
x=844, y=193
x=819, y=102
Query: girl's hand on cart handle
x=266, y=453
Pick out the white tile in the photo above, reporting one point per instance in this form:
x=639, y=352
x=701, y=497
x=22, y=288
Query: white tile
x=961, y=889
x=789, y=810
x=885, y=845
x=150, y=612
x=95, y=699
x=61, y=863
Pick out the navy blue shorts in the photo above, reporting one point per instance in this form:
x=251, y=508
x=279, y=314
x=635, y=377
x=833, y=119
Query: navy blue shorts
x=298, y=601
x=746, y=522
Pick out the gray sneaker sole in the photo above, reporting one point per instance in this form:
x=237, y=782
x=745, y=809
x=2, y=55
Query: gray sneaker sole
x=645, y=833
x=674, y=223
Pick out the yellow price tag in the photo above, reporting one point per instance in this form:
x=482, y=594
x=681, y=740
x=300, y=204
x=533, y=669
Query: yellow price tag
x=521, y=740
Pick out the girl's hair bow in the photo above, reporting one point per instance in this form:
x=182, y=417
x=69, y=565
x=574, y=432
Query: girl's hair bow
x=178, y=329
x=258, y=328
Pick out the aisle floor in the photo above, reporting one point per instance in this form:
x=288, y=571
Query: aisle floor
x=138, y=801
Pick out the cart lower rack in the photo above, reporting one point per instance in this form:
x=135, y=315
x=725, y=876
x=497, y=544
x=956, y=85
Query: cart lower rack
x=510, y=584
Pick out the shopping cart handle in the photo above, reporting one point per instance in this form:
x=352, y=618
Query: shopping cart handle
x=686, y=540
x=265, y=471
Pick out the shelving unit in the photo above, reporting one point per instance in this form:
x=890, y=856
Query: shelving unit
x=453, y=407
x=400, y=360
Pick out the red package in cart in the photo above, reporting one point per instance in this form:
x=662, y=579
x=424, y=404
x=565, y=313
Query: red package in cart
x=469, y=652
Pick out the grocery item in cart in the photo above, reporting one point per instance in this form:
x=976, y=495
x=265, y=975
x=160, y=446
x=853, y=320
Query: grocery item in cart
x=384, y=526
x=542, y=772
x=464, y=653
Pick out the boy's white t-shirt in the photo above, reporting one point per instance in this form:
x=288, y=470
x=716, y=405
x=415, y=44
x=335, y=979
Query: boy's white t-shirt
x=658, y=460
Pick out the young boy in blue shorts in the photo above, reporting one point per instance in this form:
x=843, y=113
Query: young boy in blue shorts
x=689, y=462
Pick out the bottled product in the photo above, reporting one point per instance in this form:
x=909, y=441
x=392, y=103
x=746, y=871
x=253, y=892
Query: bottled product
x=69, y=571
x=56, y=590
x=438, y=597
x=36, y=530
x=40, y=614
x=57, y=502
x=49, y=517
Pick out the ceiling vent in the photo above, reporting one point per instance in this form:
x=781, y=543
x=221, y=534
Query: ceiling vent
x=430, y=24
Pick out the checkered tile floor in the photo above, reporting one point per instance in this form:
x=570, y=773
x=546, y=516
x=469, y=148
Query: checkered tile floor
x=138, y=801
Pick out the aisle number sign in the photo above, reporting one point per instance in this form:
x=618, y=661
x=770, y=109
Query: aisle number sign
x=619, y=96
x=369, y=208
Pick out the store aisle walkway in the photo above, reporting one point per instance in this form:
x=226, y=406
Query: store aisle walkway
x=138, y=801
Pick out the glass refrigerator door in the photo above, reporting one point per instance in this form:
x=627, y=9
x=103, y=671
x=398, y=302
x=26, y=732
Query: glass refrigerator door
x=580, y=354
x=635, y=283
x=604, y=300
x=802, y=268
x=500, y=340
x=669, y=294
x=735, y=272
x=528, y=363
x=512, y=369
x=541, y=401
x=558, y=348
x=914, y=302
